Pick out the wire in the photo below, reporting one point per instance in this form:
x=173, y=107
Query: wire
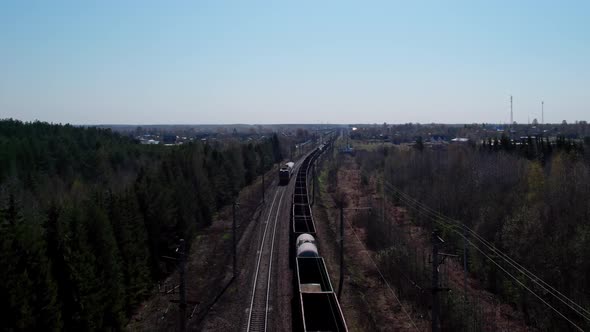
x=382, y=276
x=453, y=224
x=534, y=278
x=509, y=260
x=509, y=274
x=523, y=285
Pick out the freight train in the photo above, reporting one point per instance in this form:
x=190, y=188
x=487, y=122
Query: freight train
x=315, y=304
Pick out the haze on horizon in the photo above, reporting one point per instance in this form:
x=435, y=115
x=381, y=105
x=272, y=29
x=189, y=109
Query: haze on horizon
x=214, y=62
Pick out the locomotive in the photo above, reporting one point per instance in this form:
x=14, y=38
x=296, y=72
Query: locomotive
x=285, y=173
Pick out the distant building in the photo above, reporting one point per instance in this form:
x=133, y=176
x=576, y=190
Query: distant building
x=437, y=138
x=460, y=140
x=148, y=141
x=169, y=139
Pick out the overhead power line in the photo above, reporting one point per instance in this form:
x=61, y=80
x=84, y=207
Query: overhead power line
x=382, y=276
x=534, y=278
x=454, y=225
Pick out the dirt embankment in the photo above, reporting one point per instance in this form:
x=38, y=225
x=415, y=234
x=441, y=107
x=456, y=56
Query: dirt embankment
x=208, y=269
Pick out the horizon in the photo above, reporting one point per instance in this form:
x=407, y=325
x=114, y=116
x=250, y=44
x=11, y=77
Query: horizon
x=296, y=124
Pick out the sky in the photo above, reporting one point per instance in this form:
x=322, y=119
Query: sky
x=216, y=62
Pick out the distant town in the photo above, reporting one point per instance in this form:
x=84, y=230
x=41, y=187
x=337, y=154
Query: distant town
x=431, y=135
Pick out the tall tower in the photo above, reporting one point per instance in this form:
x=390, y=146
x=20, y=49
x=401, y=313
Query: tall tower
x=542, y=112
x=511, y=118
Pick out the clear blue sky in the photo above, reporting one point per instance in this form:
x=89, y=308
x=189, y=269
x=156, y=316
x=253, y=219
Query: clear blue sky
x=90, y=62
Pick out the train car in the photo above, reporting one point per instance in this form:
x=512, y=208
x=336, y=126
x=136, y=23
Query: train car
x=302, y=217
x=285, y=173
x=307, y=249
x=320, y=311
x=304, y=238
x=316, y=305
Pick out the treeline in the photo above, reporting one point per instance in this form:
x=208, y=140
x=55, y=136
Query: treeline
x=531, y=201
x=538, y=148
x=86, y=214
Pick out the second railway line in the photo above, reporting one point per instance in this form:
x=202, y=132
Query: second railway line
x=261, y=285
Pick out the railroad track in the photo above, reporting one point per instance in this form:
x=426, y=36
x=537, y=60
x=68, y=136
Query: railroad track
x=259, y=301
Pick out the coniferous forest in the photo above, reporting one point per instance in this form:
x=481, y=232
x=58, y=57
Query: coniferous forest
x=86, y=214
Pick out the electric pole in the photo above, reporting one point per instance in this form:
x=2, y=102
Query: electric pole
x=436, y=241
x=315, y=183
x=383, y=208
x=511, y=114
x=341, y=280
x=182, y=302
x=435, y=305
x=234, y=239
x=542, y=112
x=262, y=164
x=464, y=264
x=182, y=299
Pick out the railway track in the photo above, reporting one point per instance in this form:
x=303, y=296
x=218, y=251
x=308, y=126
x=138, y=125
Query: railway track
x=260, y=293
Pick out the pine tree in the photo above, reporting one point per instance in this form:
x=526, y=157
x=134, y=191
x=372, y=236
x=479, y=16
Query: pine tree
x=276, y=149
x=83, y=302
x=90, y=244
x=132, y=239
x=29, y=293
x=108, y=265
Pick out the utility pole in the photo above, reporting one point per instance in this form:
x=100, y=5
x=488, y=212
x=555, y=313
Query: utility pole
x=315, y=183
x=436, y=241
x=511, y=115
x=347, y=136
x=383, y=208
x=464, y=264
x=182, y=302
x=341, y=280
x=234, y=239
x=263, y=187
x=435, y=304
x=542, y=112
x=182, y=299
